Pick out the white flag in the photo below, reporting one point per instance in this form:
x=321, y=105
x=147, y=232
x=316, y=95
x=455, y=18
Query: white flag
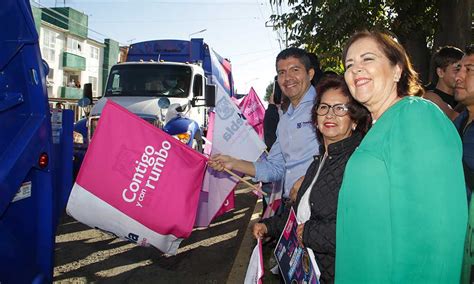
x=255, y=269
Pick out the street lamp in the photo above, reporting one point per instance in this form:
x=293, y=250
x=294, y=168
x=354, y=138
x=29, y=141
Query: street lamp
x=198, y=32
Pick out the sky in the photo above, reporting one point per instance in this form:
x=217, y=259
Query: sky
x=236, y=29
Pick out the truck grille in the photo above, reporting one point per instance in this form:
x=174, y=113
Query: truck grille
x=93, y=120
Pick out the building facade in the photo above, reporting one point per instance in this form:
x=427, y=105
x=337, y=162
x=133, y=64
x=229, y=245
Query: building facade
x=73, y=58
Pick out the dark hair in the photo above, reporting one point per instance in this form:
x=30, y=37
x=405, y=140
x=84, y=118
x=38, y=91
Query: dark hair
x=295, y=52
x=409, y=84
x=357, y=112
x=469, y=50
x=318, y=73
x=442, y=58
x=446, y=55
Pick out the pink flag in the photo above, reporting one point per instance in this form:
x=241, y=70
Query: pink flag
x=274, y=200
x=138, y=182
x=210, y=131
x=254, y=111
x=228, y=205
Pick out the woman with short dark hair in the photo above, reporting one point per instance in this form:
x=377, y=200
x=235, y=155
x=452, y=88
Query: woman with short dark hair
x=340, y=124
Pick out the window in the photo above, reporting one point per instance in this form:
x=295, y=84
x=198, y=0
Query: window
x=94, y=52
x=73, y=45
x=48, y=49
x=51, y=74
x=197, y=87
x=93, y=81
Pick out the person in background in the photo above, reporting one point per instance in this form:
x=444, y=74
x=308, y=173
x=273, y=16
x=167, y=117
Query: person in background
x=402, y=211
x=446, y=64
x=296, y=143
x=270, y=123
x=340, y=124
x=318, y=73
x=464, y=94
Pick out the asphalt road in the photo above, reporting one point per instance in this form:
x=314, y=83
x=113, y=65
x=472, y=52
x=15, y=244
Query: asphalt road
x=86, y=255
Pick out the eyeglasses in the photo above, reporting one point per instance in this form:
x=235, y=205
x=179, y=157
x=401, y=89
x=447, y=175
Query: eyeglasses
x=337, y=109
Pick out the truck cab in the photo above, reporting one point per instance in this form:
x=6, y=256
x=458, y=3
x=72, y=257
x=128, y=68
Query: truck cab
x=169, y=83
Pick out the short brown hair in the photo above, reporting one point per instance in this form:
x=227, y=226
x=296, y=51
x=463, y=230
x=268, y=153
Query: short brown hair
x=409, y=84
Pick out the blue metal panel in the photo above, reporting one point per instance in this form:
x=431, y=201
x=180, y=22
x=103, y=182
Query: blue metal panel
x=27, y=216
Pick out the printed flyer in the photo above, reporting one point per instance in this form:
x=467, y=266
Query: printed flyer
x=294, y=261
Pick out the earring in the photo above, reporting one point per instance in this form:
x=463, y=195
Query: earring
x=354, y=127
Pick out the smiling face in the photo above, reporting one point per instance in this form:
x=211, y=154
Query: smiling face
x=371, y=77
x=293, y=78
x=334, y=128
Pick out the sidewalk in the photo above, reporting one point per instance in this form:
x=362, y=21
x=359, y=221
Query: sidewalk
x=239, y=268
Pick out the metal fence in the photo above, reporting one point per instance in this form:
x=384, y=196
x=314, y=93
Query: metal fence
x=67, y=104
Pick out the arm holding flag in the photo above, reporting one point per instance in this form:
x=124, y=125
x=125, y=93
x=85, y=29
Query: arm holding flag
x=272, y=168
x=220, y=162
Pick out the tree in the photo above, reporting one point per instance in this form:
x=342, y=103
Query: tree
x=268, y=91
x=322, y=26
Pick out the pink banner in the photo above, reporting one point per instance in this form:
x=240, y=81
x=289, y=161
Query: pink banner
x=209, y=134
x=142, y=172
x=254, y=111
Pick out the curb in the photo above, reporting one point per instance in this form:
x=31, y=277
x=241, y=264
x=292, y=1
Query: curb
x=239, y=268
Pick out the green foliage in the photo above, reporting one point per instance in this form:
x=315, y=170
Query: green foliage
x=323, y=26
x=268, y=91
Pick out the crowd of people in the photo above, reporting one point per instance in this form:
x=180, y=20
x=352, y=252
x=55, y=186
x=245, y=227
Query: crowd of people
x=378, y=170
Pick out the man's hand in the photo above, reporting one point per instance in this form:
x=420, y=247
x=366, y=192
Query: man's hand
x=220, y=162
x=294, y=190
x=259, y=230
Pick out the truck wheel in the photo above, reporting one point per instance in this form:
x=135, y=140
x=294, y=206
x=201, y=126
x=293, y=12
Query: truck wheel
x=197, y=143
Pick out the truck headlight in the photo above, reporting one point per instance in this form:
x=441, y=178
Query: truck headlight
x=77, y=137
x=183, y=137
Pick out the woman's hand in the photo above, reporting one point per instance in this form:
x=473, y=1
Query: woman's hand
x=259, y=230
x=299, y=234
x=220, y=162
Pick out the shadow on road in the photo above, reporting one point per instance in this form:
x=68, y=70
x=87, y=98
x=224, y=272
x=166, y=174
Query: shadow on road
x=85, y=255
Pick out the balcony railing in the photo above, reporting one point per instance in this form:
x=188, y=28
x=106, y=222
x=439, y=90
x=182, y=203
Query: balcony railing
x=70, y=92
x=73, y=62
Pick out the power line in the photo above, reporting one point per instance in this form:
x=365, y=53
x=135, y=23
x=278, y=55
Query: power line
x=178, y=20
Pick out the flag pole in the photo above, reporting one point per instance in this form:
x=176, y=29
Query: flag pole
x=244, y=181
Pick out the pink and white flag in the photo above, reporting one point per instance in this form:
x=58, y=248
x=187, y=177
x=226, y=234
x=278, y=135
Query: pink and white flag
x=210, y=130
x=275, y=200
x=254, y=111
x=138, y=182
x=232, y=135
x=255, y=268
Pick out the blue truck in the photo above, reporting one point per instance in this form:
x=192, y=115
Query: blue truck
x=35, y=153
x=169, y=83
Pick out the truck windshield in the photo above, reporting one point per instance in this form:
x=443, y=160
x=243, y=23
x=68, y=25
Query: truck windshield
x=149, y=80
